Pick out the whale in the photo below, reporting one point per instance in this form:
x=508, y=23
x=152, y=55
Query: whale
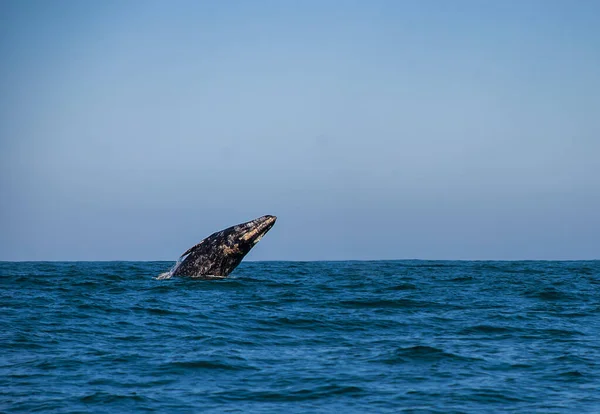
x=221, y=252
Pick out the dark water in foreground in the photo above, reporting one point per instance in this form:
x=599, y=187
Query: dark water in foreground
x=414, y=336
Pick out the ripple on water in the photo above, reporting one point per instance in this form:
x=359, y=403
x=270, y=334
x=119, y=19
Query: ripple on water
x=423, y=353
x=352, y=337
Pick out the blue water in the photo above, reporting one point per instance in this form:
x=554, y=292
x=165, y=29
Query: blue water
x=414, y=336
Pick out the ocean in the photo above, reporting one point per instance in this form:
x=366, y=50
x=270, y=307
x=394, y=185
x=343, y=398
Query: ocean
x=318, y=337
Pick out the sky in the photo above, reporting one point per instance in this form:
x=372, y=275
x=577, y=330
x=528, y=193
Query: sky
x=131, y=130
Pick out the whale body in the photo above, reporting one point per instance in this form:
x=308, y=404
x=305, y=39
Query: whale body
x=221, y=252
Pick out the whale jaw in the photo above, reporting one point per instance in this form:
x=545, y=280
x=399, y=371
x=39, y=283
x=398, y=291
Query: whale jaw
x=221, y=252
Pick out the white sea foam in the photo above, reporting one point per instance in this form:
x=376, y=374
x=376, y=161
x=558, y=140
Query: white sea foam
x=169, y=274
x=165, y=275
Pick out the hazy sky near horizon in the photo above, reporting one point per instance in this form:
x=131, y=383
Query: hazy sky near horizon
x=372, y=129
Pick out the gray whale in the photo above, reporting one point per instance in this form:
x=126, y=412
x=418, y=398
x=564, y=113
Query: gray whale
x=221, y=252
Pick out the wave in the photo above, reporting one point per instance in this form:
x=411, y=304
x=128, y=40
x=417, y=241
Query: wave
x=424, y=353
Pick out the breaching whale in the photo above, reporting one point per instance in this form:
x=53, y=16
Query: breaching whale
x=221, y=252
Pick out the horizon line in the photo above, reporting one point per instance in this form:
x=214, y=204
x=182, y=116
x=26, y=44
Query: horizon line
x=310, y=261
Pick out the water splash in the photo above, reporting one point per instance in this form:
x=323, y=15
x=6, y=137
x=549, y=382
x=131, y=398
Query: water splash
x=169, y=274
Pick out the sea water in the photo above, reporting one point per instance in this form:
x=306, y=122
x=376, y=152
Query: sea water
x=382, y=336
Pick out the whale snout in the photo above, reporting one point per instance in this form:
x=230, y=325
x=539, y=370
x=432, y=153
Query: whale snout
x=269, y=219
x=268, y=222
x=258, y=228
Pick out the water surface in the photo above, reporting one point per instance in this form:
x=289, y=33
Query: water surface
x=385, y=336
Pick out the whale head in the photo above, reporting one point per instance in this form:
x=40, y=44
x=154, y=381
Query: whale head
x=221, y=252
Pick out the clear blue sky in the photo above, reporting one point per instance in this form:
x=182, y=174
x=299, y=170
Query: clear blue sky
x=372, y=129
